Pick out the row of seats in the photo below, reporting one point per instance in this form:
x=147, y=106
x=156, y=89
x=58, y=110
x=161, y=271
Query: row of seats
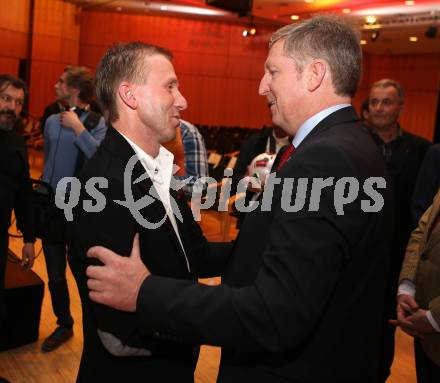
x=223, y=145
x=224, y=139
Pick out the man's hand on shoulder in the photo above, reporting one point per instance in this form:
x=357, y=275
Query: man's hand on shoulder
x=117, y=282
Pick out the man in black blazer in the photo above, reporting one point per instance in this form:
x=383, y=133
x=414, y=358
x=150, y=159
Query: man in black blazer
x=301, y=293
x=137, y=85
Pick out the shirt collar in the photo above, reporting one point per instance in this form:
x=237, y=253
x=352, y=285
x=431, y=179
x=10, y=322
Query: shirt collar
x=379, y=139
x=308, y=125
x=162, y=161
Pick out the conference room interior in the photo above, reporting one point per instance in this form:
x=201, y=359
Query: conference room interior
x=219, y=57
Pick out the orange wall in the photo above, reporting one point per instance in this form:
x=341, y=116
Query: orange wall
x=218, y=69
x=55, y=44
x=420, y=78
x=14, y=32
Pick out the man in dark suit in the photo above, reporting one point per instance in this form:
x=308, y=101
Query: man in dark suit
x=137, y=86
x=300, y=299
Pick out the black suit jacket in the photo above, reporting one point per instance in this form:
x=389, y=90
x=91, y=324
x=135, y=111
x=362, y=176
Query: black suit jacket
x=301, y=298
x=115, y=227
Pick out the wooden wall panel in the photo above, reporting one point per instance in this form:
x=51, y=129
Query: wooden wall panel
x=219, y=70
x=9, y=65
x=55, y=44
x=191, y=88
x=43, y=84
x=14, y=32
x=213, y=108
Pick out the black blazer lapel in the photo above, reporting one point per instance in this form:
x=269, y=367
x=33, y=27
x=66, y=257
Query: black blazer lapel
x=157, y=216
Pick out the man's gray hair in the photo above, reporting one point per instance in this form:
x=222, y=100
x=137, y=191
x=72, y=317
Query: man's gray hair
x=387, y=82
x=329, y=38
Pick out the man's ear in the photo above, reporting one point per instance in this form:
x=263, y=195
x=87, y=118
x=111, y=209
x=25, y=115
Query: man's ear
x=316, y=71
x=126, y=95
x=74, y=92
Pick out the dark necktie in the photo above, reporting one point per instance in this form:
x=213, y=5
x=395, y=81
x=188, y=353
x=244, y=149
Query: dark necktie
x=285, y=156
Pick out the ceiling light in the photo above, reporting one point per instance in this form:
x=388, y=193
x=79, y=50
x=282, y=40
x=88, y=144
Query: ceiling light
x=245, y=33
x=431, y=32
x=363, y=42
x=175, y=8
x=252, y=31
x=393, y=10
x=346, y=10
x=309, y=1
x=410, y=2
x=119, y=9
x=374, y=36
x=413, y=39
x=294, y=17
x=370, y=19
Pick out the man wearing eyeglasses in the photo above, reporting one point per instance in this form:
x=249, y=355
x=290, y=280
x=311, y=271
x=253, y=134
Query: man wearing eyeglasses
x=403, y=153
x=15, y=187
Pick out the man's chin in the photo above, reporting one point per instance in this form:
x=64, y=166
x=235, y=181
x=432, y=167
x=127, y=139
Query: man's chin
x=168, y=137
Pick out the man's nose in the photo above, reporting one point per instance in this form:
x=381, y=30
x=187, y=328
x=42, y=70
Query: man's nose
x=263, y=89
x=180, y=101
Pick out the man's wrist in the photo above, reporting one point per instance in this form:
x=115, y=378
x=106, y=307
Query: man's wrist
x=78, y=128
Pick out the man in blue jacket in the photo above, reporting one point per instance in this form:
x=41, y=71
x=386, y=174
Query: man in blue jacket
x=70, y=138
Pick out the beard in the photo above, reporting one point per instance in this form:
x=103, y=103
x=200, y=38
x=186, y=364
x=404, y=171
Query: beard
x=7, y=120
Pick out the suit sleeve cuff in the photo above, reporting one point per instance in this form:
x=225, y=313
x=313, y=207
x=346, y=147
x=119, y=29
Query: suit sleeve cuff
x=151, y=310
x=407, y=287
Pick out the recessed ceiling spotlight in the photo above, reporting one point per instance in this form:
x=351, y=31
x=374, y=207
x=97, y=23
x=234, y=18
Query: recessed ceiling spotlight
x=363, y=42
x=346, y=10
x=413, y=39
x=410, y=2
x=163, y=7
x=375, y=35
x=294, y=17
x=370, y=19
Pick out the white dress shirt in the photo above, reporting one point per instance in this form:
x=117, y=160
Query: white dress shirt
x=160, y=170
